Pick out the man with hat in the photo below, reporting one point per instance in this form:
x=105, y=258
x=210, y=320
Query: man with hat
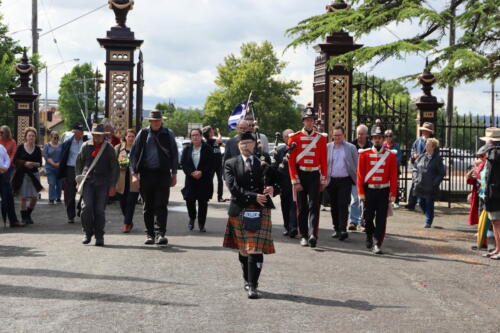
x=308, y=172
x=98, y=167
x=377, y=180
x=153, y=164
x=417, y=149
x=70, y=150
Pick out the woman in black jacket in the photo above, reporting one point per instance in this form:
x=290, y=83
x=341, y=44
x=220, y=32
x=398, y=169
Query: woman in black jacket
x=428, y=175
x=198, y=165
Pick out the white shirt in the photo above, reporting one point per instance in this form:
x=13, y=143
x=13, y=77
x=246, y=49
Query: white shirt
x=246, y=158
x=196, y=156
x=4, y=157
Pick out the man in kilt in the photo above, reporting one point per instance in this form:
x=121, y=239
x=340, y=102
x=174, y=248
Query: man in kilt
x=249, y=227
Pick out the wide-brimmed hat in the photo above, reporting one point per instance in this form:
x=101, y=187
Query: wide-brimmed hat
x=77, y=127
x=155, y=115
x=429, y=127
x=98, y=129
x=491, y=133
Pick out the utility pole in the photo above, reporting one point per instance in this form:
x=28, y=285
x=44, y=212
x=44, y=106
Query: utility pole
x=493, y=97
x=85, y=101
x=35, y=37
x=451, y=91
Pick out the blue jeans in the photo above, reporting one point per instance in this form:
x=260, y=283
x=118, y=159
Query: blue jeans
x=427, y=205
x=55, y=185
x=355, y=214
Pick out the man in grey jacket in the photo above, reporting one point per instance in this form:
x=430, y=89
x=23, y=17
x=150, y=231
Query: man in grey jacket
x=98, y=184
x=342, y=167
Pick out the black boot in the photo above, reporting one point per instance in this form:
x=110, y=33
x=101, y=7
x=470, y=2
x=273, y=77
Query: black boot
x=24, y=216
x=244, y=268
x=28, y=215
x=255, y=262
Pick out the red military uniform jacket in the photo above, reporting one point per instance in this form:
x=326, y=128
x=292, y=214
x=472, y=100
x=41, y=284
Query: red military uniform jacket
x=385, y=176
x=314, y=159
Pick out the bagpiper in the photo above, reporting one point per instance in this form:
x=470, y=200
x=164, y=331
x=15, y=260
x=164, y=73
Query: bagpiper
x=377, y=180
x=308, y=172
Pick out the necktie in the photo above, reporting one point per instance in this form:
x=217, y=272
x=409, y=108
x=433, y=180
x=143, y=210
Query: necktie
x=248, y=165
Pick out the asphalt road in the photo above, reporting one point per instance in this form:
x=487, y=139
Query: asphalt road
x=428, y=280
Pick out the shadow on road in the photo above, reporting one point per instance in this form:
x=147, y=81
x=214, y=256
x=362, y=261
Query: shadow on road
x=18, y=251
x=73, y=275
x=48, y=293
x=352, y=304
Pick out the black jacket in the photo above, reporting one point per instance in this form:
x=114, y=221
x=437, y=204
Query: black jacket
x=198, y=189
x=66, y=145
x=244, y=186
x=492, y=199
x=428, y=175
x=281, y=164
x=231, y=150
x=167, y=140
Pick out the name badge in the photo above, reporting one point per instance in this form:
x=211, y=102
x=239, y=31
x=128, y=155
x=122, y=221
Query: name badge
x=251, y=214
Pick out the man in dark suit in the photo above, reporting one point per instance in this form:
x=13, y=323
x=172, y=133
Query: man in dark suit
x=288, y=205
x=70, y=150
x=232, y=149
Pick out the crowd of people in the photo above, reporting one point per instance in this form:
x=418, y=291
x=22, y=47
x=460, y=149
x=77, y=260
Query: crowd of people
x=359, y=180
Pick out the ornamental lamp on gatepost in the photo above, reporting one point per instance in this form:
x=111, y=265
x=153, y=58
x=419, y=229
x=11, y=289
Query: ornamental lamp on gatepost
x=120, y=45
x=333, y=85
x=24, y=98
x=427, y=104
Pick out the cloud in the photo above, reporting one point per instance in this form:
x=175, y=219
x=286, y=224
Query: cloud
x=185, y=40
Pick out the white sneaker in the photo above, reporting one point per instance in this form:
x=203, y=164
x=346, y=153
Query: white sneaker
x=377, y=250
x=304, y=242
x=396, y=206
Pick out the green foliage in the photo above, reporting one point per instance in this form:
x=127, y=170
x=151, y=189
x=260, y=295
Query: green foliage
x=72, y=97
x=475, y=56
x=256, y=69
x=8, y=51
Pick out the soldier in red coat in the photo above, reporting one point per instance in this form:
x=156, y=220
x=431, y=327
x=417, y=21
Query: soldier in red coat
x=377, y=181
x=308, y=172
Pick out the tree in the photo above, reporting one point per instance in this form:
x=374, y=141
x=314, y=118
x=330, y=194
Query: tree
x=180, y=118
x=74, y=88
x=167, y=109
x=256, y=69
x=8, y=51
x=474, y=56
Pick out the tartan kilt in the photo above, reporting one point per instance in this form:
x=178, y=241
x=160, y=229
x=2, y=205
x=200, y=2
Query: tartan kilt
x=237, y=238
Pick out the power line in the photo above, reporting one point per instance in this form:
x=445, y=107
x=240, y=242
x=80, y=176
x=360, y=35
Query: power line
x=71, y=21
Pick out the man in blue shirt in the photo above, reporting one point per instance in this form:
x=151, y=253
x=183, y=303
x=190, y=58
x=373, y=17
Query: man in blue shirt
x=417, y=149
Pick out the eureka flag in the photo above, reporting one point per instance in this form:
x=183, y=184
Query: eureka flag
x=238, y=113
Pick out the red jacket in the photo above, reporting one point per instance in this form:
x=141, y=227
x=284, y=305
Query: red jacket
x=386, y=175
x=314, y=160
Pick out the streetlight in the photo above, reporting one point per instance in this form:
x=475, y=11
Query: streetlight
x=47, y=80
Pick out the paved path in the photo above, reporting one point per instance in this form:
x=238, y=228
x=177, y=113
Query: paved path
x=428, y=281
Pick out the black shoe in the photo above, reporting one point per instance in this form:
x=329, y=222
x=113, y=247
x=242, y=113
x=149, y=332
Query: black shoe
x=286, y=233
x=408, y=207
x=336, y=234
x=99, y=242
x=51, y=202
x=312, y=241
x=343, y=236
x=71, y=221
x=86, y=240
x=191, y=225
x=58, y=201
x=293, y=233
x=481, y=248
x=427, y=226
x=352, y=227
x=150, y=240
x=252, y=293
x=24, y=217
x=202, y=229
x=161, y=239
x=369, y=243
x=221, y=200
x=28, y=215
x=377, y=250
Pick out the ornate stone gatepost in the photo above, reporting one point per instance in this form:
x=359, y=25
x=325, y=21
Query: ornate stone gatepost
x=333, y=87
x=24, y=98
x=427, y=104
x=120, y=45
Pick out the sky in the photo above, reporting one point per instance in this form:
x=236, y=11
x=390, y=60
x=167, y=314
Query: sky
x=185, y=41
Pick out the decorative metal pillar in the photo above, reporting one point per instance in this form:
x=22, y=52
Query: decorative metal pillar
x=427, y=104
x=24, y=98
x=120, y=45
x=333, y=87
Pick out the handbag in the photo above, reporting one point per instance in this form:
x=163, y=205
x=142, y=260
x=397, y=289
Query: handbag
x=80, y=179
x=252, y=220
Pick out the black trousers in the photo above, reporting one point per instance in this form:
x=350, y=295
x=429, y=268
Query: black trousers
x=8, y=207
x=220, y=181
x=70, y=192
x=93, y=209
x=308, y=201
x=375, y=211
x=412, y=199
x=339, y=191
x=288, y=207
x=128, y=200
x=155, y=191
x=202, y=211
